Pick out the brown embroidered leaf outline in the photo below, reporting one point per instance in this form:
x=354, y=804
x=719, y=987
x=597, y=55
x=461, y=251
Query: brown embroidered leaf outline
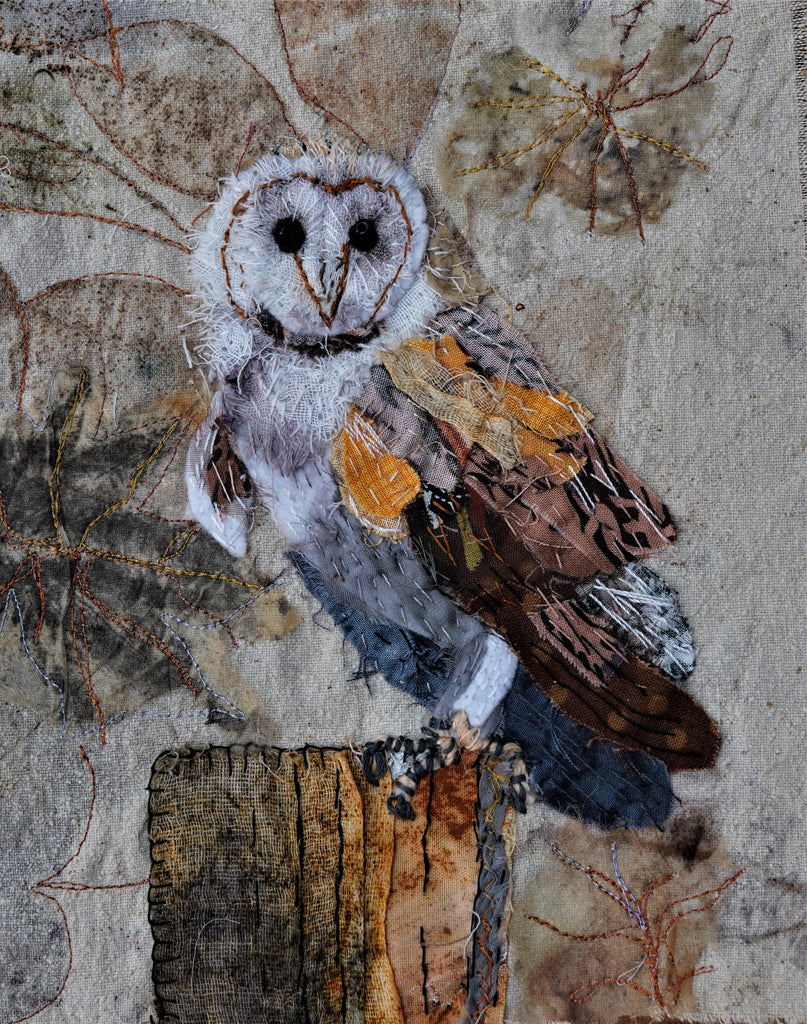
x=50, y=888
x=103, y=591
x=718, y=7
x=653, y=931
x=152, y=88
x=400, y=48
x=164, y=107
x=604, y=122
x=47, y=177
x=629, y=19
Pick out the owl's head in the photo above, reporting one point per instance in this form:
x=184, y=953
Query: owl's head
x=315, y=249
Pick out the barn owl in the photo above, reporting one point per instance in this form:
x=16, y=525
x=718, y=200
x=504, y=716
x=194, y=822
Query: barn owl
x=441, y=495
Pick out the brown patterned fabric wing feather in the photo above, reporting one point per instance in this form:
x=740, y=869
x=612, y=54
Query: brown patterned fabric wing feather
x=521, y=507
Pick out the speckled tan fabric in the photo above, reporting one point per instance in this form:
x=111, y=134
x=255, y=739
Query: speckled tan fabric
x=124, y=634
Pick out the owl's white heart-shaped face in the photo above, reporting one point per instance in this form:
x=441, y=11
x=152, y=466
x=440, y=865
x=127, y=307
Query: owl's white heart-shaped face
x=318, y=246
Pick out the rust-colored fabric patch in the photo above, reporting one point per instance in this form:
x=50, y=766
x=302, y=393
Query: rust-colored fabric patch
x=439, y=919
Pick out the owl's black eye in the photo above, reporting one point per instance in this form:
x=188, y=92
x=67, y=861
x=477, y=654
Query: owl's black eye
x=363, y=235
x=289, y=234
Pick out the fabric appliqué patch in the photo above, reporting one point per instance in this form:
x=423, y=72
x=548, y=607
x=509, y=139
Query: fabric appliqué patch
x=281, y=889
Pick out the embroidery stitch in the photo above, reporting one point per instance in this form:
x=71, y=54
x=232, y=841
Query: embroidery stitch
x=655, y=937
x=602, y=107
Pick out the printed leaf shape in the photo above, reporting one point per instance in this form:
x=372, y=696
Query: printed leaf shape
x=110, y=604
x=130, y=329
x=606, y=141
x=14, y=331
x=132, y=333
x=44, y=175
x=347, y=60
x=172, y=117
x=23, y=23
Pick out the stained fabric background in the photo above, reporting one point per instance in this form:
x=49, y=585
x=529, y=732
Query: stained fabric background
x=689, y=348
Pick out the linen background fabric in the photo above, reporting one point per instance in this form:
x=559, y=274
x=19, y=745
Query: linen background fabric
x=689, y=347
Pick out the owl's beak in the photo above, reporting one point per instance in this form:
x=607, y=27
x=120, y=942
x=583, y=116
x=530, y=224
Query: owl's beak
x=325, y=281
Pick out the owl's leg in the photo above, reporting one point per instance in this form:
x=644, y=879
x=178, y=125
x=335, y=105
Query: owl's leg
x=569, y=767
x=480, y=680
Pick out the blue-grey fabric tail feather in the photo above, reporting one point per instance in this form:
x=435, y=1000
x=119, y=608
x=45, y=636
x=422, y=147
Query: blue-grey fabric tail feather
x=569, y=767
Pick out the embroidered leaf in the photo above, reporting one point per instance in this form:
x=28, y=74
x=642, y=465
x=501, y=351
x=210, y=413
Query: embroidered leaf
x=605, y=141
x=132, y=332
x=645, y=925
x=102, y=595
x=387, y=108
x=46, y=176
x=167, y=111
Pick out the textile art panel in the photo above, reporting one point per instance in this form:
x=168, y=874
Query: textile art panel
x=401, y=510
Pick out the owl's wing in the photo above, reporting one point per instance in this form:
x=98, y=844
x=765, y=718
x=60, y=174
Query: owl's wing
x=466, y=445
x=220, y=494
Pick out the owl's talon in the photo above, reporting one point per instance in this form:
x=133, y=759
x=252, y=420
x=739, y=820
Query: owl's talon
x=374, y=762
x=400, y=807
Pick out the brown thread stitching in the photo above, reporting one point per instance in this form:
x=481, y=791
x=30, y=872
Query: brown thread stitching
x=114, y=48
x=600, y=106
x=654, y=932
x=628, y=19
x=244, y=150
x=311, y=100
x=54, y=883
x=327, y=318
x=103, y=220
x=133, y=481
x=343, y=186
x=81, y=557
x=723, y=7
x=692, y=80
x=85, y=673
x=26, y=333
x=168, y=463
x=53, y=479
x=197, y=193
x=143, y=635
x=20, y=130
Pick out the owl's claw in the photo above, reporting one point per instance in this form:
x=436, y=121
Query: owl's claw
x=439, y=746
x=374, y=762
